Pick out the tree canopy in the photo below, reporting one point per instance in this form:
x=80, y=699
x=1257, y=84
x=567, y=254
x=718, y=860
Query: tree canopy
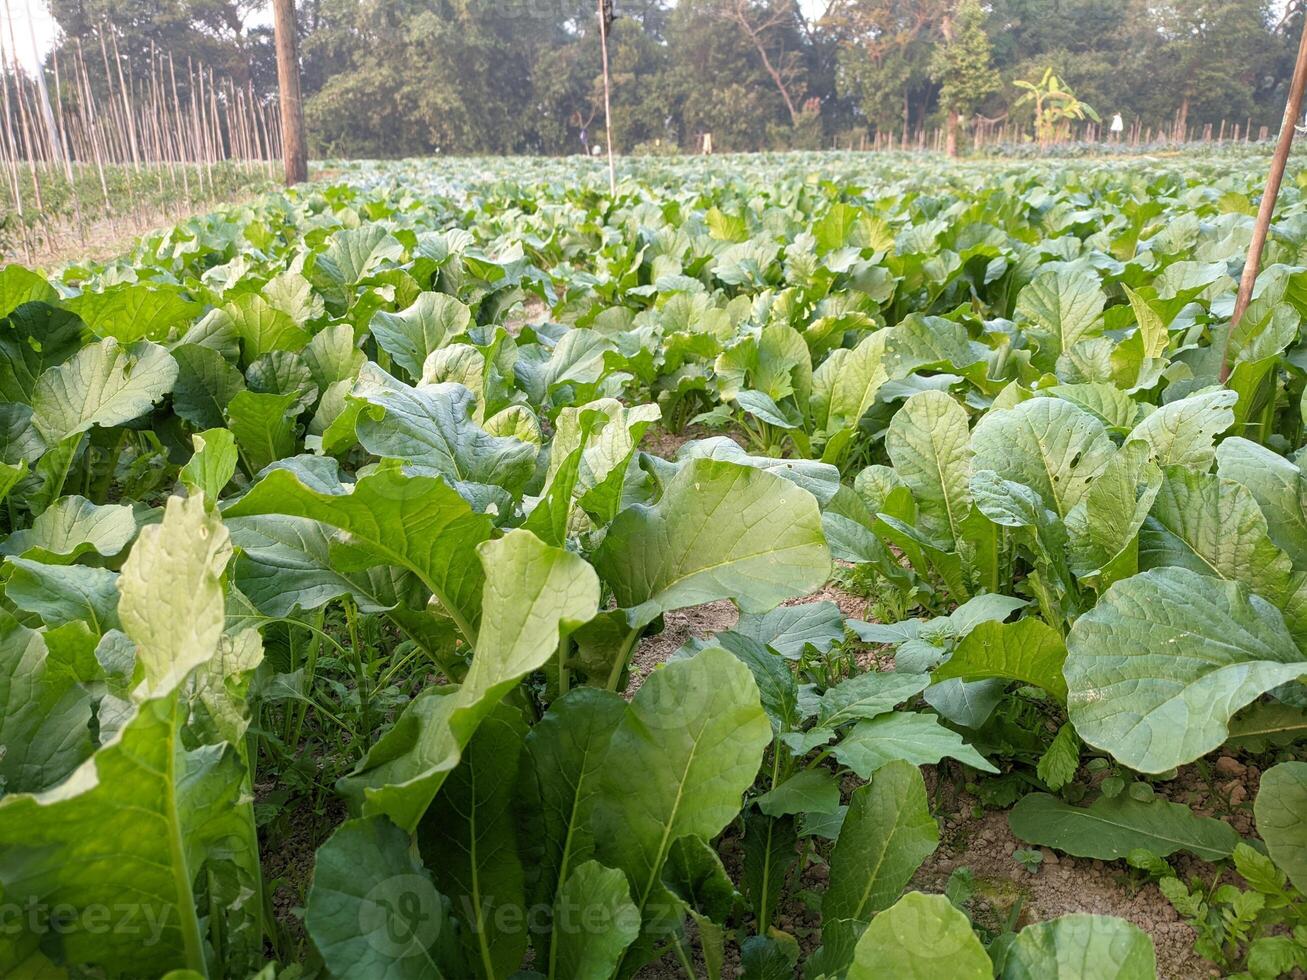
x=392, y=78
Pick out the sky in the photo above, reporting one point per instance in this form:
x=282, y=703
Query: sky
x=21, y=19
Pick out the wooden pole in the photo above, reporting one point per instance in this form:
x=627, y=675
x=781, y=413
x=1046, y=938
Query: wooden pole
x=608, y=113
x=1292, y=110
x=295, y=153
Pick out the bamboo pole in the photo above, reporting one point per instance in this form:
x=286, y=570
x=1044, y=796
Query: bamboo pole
x=1292, y=109
x=11, y=152
x=608, y=112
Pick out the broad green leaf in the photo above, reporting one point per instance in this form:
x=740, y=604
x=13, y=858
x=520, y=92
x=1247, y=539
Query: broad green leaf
x=780, y=368
x=264, y=427
x=1105, y=401
x=694, y=873
x=1181, y=433
x=1111, y=827
x=146, y=813
x=699, y=543
x=373, y=911
x=850, y=380
x=293, y=294
x=418, y=523
x=1028, y=651
x=262, y=327
x=45, y=715
x=33, y=338
x=206, y=384
x=1214, y=527
x=353, y=253
x=20, y=442
x=138, y=818
x=1158, y=667
x=178, y=628
x=332, y=356
x=769, y=957
x=1061, y=309
x=410, y=335
x=282, y=372
x=103, y=384
x=132, y=311
x=558, y=783
x=1061, y=760
x=887, y=834
x=430, y=429
x=594, y=923
x=920, y=937
x=919, y=341
x=1267, y=723
x=822, y=480
x=696, y=733
x=769, y=853
x=807, y=791
x=580, y=358
x=847, y=225
x=61, y=594
x=1046, y=444
x=468, y=839
x=868, y=695
x=607, y=434
x=903, y=735
x=533, y=592
x=72, y=527
x=1104, y=527
x=1280, y=808
x=19, y=285
x=1084, y=947
x=790, y=629
x=778, y=690
x=286, y=563
x=930, y=445
x=1278, y=487
x=1152, y=330
x=213, y=463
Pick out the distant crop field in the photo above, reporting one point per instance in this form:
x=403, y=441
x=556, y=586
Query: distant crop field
x=826, y=564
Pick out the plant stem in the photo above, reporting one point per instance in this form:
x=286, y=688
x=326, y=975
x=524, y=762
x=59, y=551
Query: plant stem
x=365, y=708
x=619, y=662
x=564, y=643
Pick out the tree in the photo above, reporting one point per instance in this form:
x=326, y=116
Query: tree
x=758, y=22
x=1208, y=56
x=1055, y=104
x=885, y=52
x=962, y=67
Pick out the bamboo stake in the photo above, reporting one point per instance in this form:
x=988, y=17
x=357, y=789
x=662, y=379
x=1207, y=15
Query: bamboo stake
x=93, y=125
x=11, y=148
x=183, y=153
x=67, y=157
x=1292, y=109
x=127, y=108
x=608, y=112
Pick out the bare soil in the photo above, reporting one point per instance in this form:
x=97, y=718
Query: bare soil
x=659, y=442
x=984, y=844
x=982, y=841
